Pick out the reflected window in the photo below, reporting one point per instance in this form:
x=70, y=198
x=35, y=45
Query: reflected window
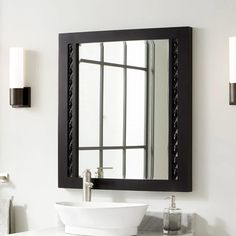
x=123, y=108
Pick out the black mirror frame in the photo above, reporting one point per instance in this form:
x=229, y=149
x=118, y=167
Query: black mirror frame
x=180, y=109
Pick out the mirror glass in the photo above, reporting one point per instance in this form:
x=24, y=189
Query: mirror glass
x=124, y=109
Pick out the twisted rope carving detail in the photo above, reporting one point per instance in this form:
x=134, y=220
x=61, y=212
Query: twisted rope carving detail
x=175, y=65
x=70, y=106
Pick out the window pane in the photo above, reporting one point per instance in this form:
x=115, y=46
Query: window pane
x=90, y=51
x=88, y=160
x=89, y=80
x=113, y=106
x=135, y=107
x=114, y=52
x=135, y=164
x=136, y=53
x=112, y=158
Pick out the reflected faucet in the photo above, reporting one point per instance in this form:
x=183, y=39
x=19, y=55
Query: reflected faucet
x=87, y=185
x=4, y=178
x=100, y=172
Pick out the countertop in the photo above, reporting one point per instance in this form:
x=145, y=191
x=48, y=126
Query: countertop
x=150, y=226
x=59, y=231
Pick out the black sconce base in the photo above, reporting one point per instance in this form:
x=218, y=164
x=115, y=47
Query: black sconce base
x=20, y=97
x=232, y=94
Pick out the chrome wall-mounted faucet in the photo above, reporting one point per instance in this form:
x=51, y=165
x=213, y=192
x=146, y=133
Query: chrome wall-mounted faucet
x=87, y=185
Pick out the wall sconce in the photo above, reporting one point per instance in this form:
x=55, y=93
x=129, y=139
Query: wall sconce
x=20, y=96
x=232, y=70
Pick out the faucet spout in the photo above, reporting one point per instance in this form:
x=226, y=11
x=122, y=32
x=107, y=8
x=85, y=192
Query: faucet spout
x=87, y=185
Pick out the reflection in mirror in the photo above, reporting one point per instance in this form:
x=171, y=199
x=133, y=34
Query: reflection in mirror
x=89, y=114
x=124, y=109
x=136, y=104
x=88, y=160
x=112, y=161
x=135, y=164
x=113, y=52
x=161, y=111
x=137, y=53
x=90, y=51
x=113, y=106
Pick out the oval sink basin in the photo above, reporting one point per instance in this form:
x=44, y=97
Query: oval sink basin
x=101, y=218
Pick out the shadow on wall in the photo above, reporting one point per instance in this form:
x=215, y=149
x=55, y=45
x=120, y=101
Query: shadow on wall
x=32, y=74
x=203, y=229
x=21, y=223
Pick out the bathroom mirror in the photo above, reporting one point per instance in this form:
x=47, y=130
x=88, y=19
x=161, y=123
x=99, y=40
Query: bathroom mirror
x=125, y=109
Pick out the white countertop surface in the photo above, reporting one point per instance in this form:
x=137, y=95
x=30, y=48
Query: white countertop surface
x=59, y=231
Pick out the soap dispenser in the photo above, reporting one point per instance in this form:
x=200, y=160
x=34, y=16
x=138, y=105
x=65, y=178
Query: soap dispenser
x=172, y=218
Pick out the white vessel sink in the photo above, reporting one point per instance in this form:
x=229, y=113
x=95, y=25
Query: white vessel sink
x=101, y=219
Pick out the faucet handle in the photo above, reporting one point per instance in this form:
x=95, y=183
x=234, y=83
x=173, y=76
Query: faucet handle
x=105, y=168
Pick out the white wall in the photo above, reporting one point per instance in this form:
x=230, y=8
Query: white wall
x=28, y=137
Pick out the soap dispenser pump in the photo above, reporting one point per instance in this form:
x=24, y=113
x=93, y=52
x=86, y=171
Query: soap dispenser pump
x=172, y=218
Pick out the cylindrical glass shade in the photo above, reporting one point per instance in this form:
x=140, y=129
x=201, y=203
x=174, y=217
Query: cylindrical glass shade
x=16, y=68
x=232, y=59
